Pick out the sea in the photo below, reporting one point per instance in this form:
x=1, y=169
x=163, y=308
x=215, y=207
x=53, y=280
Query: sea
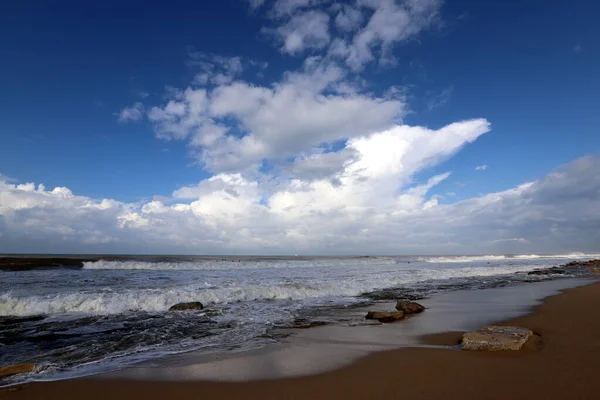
x=113, y=312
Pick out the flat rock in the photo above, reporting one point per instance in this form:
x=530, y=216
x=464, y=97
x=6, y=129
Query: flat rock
x=194, y=305
x=409, y=307
x=590, y=263
x=302, y=323
x=16, y=369
x=362, y=322
x=548, y=271
x=493, y=338
x=385, y=316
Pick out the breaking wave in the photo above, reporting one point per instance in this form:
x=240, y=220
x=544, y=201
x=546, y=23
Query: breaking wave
x=109, y=301
x=469, y=259
x=230, y=263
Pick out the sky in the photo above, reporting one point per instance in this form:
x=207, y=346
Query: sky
x=299, y=127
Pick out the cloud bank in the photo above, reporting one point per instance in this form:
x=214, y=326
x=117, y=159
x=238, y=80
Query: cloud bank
x=365, y=208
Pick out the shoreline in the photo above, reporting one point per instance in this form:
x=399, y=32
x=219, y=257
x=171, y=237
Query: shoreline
x=565, y=367
x=322, y=349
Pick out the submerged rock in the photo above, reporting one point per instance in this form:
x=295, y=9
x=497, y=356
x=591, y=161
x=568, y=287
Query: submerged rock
x=303, y=323
x=409, y=307
x=16, y=369
x=362, y=322
x=548, y=271
x=13, y=320
x=385, y=316
x=393, y=294
x=194, y=305
x=493, y=338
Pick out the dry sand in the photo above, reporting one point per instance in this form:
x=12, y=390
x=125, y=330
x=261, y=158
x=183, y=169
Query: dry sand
x=564, y=364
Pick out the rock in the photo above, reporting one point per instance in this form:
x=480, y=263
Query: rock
x=194, y=305
x=13, y=320
x=409, y=307
x=385, y=316
x=303, y=323
x=16, y=369
x=590, y=263
x=362, y=322
x=493, y=338
x=548, y=271
x=393, y=294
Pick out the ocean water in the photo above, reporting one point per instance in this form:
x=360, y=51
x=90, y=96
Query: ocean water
x=114, y=313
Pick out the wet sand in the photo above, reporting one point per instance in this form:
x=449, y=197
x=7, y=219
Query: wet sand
x=564, y=364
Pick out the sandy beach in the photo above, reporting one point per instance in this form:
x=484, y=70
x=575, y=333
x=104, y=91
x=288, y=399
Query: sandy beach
x=563, y=364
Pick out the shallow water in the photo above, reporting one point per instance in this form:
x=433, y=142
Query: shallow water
x=111, y=314
x=331, y=347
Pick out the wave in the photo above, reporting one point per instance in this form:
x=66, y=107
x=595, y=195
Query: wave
x=469, y=259
x=228, y=263
x=159, y=300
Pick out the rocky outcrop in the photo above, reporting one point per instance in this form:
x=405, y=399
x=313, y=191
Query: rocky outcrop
x=385, y=316
x=548, y=271
x=364, y=322
x=494, y=338
x=303, y=323
x=590, y=263
x=16, y=369
x=194, y=305
x=409, y=307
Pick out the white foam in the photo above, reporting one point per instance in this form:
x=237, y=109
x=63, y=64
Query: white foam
x=461, y=259
x=160, y=299
x=470, y=259
x=228, y=263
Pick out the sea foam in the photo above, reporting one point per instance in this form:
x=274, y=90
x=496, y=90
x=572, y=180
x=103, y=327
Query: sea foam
x=256, y=286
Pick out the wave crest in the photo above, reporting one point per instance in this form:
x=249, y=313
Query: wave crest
x=470, y=259
x=158, y=300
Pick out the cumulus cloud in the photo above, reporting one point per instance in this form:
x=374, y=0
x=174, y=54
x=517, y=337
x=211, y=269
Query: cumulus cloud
x=307, y=109
x=375, y=208
x=348, y=19
x=233, y=125
x=133, y=113
x=308, y=30
x=303, y=25
x=391, y=22
x=215, y=69
x=481, y=167
x=254, y=4
x=282, y=8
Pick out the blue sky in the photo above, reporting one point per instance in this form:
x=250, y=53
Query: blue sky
x=70, y=70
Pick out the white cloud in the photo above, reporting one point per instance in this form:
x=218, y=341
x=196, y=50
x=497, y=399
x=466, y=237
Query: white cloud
x=214, y=69
x=282, y=8
x=348, y=19
x=304, y=25
x=133, y=113
x=308, y=30
x=374, y=208
x=254, y=4
x=481, y=167
x=293, y=116
x=391, y=22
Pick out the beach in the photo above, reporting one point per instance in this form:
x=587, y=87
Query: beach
x=562, y=364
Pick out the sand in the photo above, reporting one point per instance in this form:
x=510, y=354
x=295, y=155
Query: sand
x=563, y=364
